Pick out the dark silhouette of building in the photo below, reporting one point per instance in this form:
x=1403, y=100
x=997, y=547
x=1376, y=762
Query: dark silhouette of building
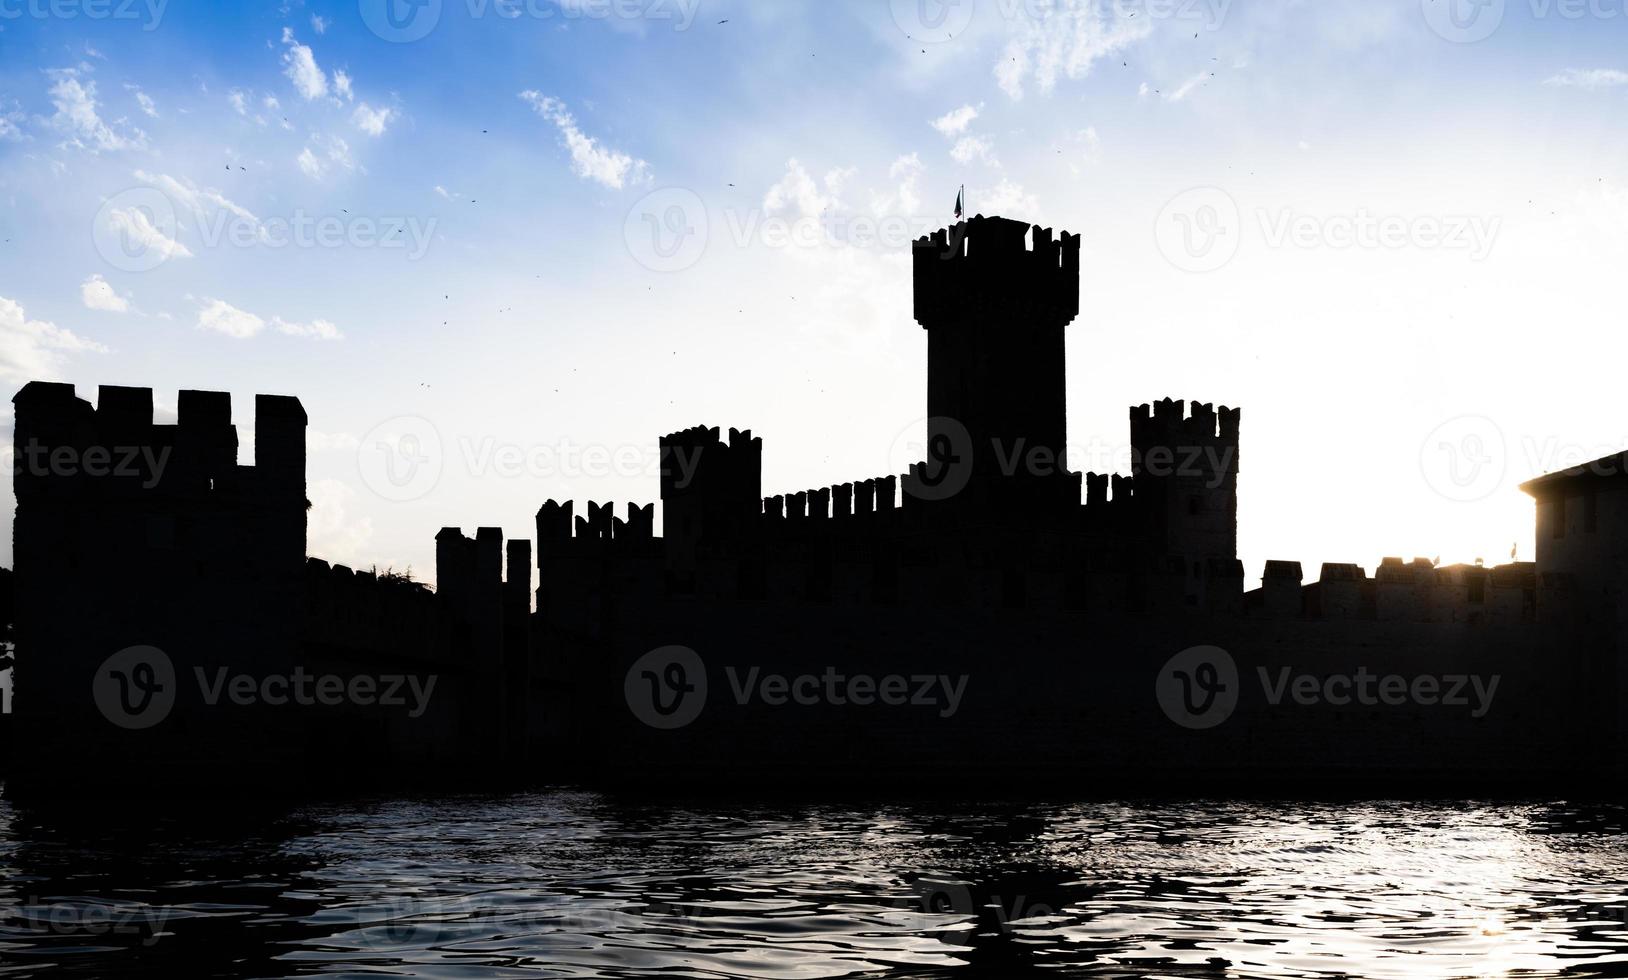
x=986, y=615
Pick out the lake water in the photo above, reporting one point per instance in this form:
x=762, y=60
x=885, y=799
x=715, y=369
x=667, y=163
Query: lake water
x=575, y=884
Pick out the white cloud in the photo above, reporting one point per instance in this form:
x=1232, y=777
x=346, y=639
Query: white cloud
x=319, y=24
x=1007, y=199
x=372, y=121
x=1064, y=38
x=238, y=102
x=300, y=65
x=319, y=329
x=342, y=85
x=1593, y=78
x=906, y=198
x=200, y=201
x=449, y=195
x=970, y=148
x=1092, y=142
x=9, y=118
x=144, y=100
x=77, y=115
x=956, y=121
x=589, y=159
x=271, y=103
x=810, y=198
x=97, y=294
x=337, y=156
x=223, y=317
x=139, y=230
x=330, y=530
x=1187, y=87
x=34, y=350
x=322, y=442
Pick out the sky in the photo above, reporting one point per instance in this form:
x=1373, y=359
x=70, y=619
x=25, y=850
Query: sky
x=515, y=242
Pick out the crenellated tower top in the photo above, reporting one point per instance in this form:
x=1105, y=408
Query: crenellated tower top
x=993, y=265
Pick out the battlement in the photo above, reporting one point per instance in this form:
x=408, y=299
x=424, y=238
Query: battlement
x=697, y=460
x=556, y=524
x=66, y=445
x=1417, y=591
x=1166, y=424
x=362, y=610
x=859, y=499
x=996, y=265
x=1108, y=489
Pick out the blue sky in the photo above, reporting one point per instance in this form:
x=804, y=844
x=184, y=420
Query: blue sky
x=1420, y=231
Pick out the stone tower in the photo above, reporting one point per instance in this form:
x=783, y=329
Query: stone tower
x=995, y=296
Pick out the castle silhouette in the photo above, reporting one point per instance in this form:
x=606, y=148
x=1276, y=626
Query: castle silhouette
x=987, y=615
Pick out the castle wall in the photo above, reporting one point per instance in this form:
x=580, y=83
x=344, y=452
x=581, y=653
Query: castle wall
x=1073, y=697
x=135, y=534
x=130, y=533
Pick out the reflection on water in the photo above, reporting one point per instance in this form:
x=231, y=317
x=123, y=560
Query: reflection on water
x=574, y=884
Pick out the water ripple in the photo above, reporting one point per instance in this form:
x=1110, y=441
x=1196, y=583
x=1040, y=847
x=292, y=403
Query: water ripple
x=573, y=884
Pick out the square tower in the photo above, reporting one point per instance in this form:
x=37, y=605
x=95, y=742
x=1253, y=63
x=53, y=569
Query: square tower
x=995, y=296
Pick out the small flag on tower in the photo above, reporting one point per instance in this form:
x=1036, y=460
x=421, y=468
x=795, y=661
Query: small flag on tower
x=960, y=201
